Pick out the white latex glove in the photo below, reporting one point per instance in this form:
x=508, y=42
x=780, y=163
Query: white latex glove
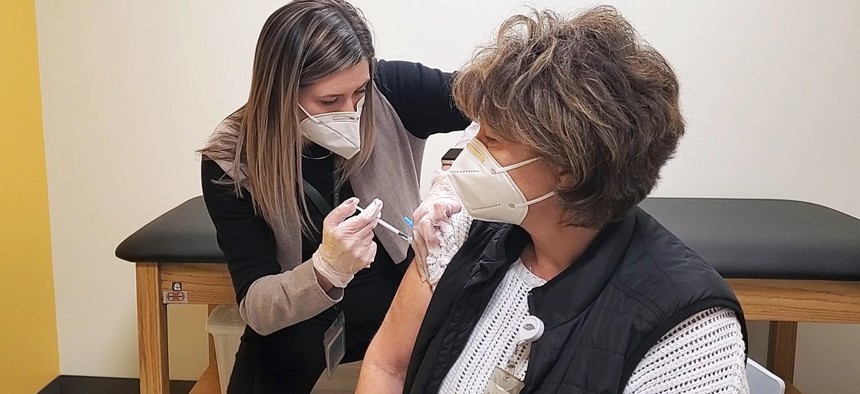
x=347, y=244
x=432, y=218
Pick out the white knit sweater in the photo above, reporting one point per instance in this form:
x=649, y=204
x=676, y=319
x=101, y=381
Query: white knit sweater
x=703, y=354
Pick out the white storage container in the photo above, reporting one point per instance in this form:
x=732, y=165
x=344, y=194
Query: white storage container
x=226, y=327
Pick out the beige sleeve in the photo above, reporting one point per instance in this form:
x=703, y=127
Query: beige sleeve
x=277, y=301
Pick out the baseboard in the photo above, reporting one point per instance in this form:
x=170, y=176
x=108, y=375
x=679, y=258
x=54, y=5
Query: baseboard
x=65, y=384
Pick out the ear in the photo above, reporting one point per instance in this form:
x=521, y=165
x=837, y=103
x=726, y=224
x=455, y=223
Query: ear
x=564, y=178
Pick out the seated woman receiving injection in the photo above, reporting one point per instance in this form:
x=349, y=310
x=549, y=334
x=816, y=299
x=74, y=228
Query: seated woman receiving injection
x=562, y=283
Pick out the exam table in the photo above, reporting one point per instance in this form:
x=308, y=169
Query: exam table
x=787, y=262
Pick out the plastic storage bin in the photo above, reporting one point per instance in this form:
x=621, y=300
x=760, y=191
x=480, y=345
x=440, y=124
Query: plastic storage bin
x=226, y=327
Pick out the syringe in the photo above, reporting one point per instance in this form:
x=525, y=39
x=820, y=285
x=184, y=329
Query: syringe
x=389, y=227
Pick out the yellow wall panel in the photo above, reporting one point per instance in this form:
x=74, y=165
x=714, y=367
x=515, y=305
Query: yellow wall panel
x=28, y=329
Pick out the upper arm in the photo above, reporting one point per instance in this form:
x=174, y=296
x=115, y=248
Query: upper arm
x=391, y=348
x=421, y=96
x=245, y=238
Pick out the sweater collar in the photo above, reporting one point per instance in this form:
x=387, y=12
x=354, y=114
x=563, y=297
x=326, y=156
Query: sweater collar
x=574, y=289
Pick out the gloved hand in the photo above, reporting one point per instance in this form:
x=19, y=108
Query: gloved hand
x=347, y=244
x=432, y=218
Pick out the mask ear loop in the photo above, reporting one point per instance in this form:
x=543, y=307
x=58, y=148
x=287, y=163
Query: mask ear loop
x=502, y=170
x=514, y=166
x=311, y=117
x=532, y=202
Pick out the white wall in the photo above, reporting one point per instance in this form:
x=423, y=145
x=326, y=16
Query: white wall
x=131, y=89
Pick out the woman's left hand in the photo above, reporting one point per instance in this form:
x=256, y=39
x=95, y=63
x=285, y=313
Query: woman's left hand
x=432, y=217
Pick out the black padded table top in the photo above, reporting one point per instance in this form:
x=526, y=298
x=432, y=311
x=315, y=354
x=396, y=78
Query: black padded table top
x=184, y=234
x=768, y=239
x=741, y=238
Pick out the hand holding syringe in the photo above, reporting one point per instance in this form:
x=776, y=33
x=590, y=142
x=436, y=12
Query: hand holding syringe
x=376, y=206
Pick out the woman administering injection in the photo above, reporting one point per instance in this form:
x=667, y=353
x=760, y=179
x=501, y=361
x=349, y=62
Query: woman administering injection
x=323, y=119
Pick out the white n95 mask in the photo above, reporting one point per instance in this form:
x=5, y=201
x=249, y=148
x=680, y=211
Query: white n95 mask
x=486, y=189
x=339, y=132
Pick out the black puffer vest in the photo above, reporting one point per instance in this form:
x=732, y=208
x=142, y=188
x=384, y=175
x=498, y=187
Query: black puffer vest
x=634, y=283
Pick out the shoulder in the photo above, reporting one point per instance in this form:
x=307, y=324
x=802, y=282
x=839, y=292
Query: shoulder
x=211, y=171
x=667, y=280
x=388, y=72
x=451, y=240
x=220, y=150
x=397, y=78
x=489, y=241
x=225, y=136
x=420, y=96
x=659, y=265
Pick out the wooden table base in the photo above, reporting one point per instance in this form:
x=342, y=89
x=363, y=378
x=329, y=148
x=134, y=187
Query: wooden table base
x=782, y=302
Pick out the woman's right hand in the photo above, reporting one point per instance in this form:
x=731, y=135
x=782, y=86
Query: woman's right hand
x=347, y=244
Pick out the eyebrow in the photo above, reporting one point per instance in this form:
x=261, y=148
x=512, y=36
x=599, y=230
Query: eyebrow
x=363, y=86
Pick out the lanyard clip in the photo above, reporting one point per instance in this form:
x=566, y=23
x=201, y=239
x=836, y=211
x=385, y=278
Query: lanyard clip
x=530, y=330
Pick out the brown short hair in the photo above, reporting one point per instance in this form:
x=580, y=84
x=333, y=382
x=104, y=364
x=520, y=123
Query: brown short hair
x=587, y=95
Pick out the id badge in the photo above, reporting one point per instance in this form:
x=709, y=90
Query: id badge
x=503, y=382
x=334, y=344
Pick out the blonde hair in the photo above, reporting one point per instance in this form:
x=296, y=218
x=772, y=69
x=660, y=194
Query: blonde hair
x=300, y=43
x=586, y=95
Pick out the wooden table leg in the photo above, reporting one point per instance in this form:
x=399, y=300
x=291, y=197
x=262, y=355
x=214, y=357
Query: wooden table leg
x=781, y=347
x=151, y=330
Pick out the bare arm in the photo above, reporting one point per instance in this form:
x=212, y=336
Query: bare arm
x=384, y=366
